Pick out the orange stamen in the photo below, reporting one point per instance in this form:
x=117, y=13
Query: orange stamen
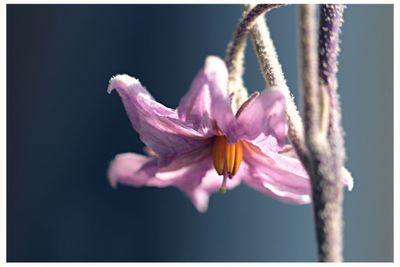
x=226, y=157
x=238, y=157
x=218, y=153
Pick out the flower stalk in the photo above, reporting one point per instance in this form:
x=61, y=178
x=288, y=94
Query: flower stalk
x=319, y=145
x=235, y=52
x=275, y=78
x=331, y=20
x=324, y=144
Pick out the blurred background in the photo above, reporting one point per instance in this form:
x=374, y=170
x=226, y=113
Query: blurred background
x=63, y=129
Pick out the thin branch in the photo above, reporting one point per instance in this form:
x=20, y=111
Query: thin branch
x=309, y=74
x=235, y=51
x=274, y=77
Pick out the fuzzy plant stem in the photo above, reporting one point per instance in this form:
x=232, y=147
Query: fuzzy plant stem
x=274, y=77
x=309, y=74
x=317, y=149
x=235, y=52
x=331, y=20
x=321, y=125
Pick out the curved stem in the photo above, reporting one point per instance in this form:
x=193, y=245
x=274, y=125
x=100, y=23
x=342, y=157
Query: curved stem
x=235, y=51
x=274, y=77
x=315, y=150
x=242, y=31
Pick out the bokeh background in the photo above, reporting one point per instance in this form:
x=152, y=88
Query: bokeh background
x=63, y=129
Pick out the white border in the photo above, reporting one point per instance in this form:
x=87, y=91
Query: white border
x=3, y=143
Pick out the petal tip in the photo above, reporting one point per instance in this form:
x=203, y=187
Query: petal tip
x=212, y=59
x=112, y=173
x=350, y=184
x=112, y=182
x=123, y=170
x=200, y=199
x=215, y=64
x=348, y=179
x=122, y=81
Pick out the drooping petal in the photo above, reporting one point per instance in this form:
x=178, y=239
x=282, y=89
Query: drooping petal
x=287, y=183
x=123, y=169
x=265, y=115
x=347, y=179
x=200, y=199
x=159, y=127
x=285, y=157
x=207, y=103
x=211, y=183
x=185, y=172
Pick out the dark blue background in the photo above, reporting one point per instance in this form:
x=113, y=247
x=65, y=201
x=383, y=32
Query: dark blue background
x=63, y=129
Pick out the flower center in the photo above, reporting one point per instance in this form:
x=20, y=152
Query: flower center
x=227, y=158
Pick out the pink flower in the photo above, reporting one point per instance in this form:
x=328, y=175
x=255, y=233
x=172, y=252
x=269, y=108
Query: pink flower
x=202, y=146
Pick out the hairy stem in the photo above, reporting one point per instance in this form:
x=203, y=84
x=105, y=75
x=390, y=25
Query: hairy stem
x=325, y=167
x=235, y=52
x=309, y=73
x=321, y=149
x=331, y=20
x=274, y=77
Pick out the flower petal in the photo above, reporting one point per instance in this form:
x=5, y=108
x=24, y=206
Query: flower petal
x=123, y=168
x=287, y=183
x=159, y=127
x=210, y=184
x=286, y=157
x=197, y=179
x=185, y=171
x=200, y=199
x=347, y=179
x=265, y=115
x=207, y=103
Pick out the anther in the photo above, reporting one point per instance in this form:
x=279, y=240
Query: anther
x=226, y=157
